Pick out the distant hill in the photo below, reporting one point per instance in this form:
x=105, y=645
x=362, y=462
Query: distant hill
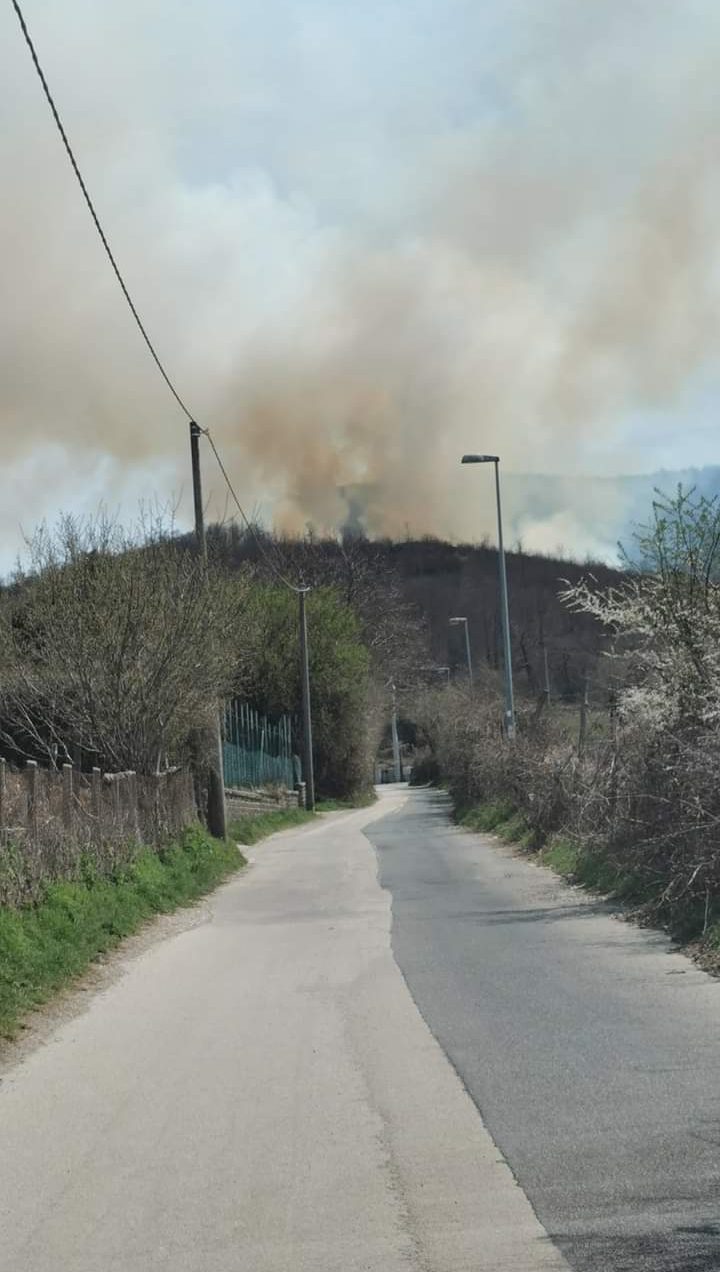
x=431, y=581
x=585, y=515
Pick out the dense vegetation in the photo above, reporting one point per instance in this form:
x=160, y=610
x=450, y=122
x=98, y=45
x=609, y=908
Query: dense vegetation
x=622, y=789
x=404, y=594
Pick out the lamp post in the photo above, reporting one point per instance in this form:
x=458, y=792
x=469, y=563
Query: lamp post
x=509, y=713
x=306, y=708
x=397, y=761
x=462, y=622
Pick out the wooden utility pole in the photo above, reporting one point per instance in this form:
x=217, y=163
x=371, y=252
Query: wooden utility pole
x=306, y=711
x=217, y=824
x=197, y=490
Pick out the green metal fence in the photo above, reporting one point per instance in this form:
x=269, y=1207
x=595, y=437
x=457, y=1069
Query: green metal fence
x=256, y=751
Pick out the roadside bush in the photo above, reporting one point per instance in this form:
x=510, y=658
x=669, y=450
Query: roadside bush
x=425, y=770
x=632, y=792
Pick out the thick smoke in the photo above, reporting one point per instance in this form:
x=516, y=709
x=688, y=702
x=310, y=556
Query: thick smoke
x=514, y=264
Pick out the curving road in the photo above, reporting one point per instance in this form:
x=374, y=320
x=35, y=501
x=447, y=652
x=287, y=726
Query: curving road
x=259, y=1093
x=423, y=1056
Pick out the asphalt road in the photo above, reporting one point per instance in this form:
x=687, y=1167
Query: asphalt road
x=591, y=1051
x=256, y=1091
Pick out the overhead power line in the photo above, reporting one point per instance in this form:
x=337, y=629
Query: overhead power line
x=93, y=213
x=141, y=326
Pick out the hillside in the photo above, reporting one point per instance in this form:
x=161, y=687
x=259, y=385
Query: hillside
x=428, y=581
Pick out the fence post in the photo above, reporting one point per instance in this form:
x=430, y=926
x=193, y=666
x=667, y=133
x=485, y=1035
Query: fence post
x=132, y=800
x=116, y=802
x=158, y=805
x=96, y=803
x=3, y=801
x=31, y=777
x=67, y=797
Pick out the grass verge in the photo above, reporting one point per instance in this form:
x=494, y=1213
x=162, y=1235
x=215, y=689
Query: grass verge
x=249, y=830
x=592, y=869
x=45, y=946
x=596, y=870
x=500, y=818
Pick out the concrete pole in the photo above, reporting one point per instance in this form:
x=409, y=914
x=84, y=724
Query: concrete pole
x=217, y=822
x=306, y=707
x=509, y=714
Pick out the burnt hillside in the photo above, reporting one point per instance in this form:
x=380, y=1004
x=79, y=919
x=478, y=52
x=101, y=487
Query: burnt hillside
x=444, y=580
x=429, y=581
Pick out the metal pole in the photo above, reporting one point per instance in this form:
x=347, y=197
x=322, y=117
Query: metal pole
x=217, y=823
x=509, y=717
x=467, y=651
x=395, y=739
x=307, y=716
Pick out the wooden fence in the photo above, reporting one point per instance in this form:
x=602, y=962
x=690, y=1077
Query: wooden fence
x=53, y=821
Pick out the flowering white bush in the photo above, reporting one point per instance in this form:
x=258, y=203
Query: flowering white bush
x=665, y=628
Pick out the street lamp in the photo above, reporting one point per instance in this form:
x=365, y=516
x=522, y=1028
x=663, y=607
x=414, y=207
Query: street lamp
x=509, y=715
x=462, y=622
x=397, y=761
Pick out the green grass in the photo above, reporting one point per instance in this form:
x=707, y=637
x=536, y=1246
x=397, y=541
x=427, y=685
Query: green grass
x=487, y=817
x=594, y=870
x=591, y=868
x=248, y=830
x=498, y=818
x=45, y=946
x=599, y=871
x=562, y=856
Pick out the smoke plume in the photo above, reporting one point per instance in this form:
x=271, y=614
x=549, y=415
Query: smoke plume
x=363, y=246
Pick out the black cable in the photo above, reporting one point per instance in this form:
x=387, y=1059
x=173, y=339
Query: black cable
x=261, y=547
x=126, y=294
x=93, y=213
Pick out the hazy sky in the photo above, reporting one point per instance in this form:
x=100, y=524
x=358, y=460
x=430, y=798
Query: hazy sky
x=365, y=238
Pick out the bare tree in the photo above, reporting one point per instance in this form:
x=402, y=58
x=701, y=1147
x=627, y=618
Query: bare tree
x=114, y=646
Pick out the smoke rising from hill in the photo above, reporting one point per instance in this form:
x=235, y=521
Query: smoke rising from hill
x=511, y=265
